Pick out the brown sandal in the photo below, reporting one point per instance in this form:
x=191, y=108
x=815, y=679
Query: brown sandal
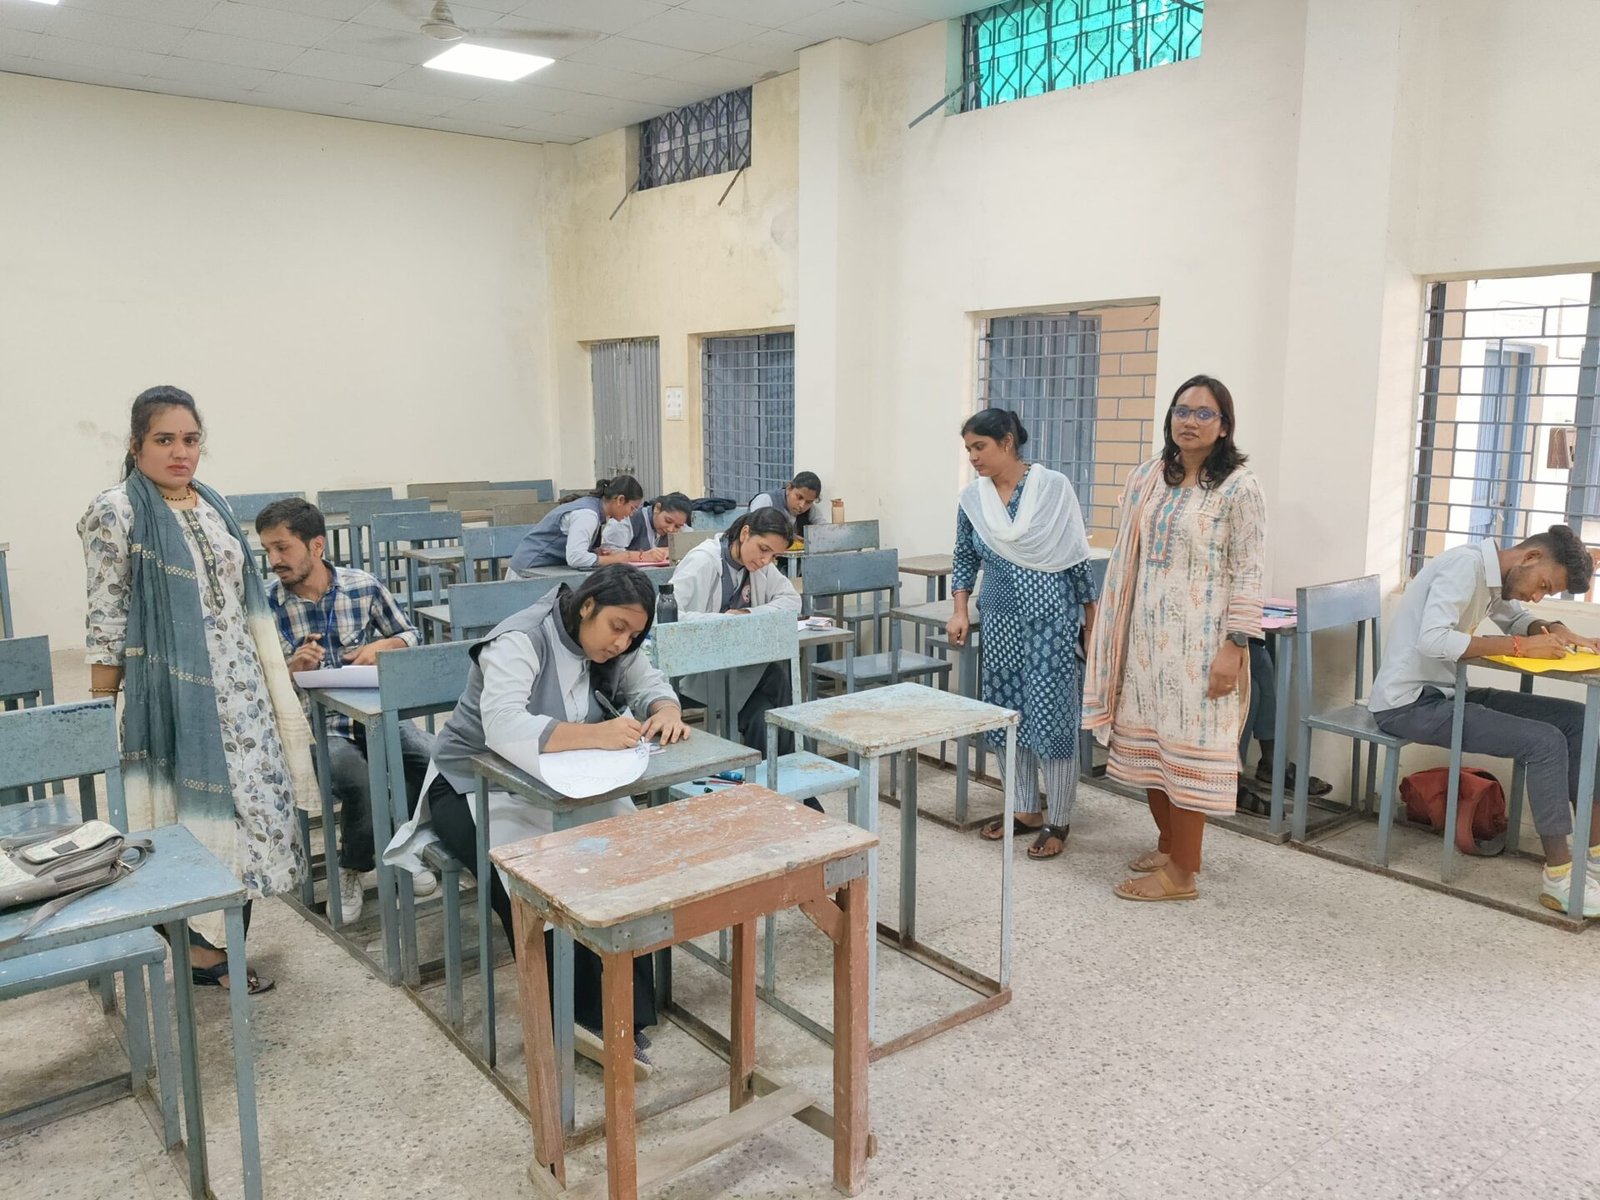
x=1046, y=833
x=994, y=831
x=1135, y=866
x=1169, y=891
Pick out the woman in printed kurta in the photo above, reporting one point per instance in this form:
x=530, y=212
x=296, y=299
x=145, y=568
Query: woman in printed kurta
x=1021, y=523
x=207, y=739
x=1168, y=681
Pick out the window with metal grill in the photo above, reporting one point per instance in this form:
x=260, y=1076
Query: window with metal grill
x=747, y=401
x=1508, y=437
x=705, y=138
x=1083, y=383
x=1030, y=47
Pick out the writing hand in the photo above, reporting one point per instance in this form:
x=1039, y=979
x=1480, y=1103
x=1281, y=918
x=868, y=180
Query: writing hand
x=1545, y=645
x=619, y=733
x=307, y=655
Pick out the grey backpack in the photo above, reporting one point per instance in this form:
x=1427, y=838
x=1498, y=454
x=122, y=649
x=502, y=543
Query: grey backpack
x=60, y=863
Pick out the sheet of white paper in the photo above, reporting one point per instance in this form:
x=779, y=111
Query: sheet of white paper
x=338, y=677
x=815, y=623
x=579, y=774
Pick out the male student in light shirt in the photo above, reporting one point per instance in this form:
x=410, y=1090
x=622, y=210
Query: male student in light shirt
x=330, y=616
x=1436, y=626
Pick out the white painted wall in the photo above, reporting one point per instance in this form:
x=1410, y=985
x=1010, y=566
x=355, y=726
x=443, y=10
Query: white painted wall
x=350, y=303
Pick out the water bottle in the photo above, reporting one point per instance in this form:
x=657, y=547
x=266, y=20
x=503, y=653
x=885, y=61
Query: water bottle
x=666, y=605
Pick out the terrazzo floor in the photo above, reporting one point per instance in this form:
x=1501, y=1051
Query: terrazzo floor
x=1305, y=1029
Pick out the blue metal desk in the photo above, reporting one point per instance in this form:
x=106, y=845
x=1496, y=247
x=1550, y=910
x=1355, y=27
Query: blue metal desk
x=181, y=879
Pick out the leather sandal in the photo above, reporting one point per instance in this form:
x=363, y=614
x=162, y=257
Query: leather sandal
x=994, y=830
x=1047, y=832
x=1169, y=891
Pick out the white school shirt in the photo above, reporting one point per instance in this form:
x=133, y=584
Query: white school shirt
x=1433, y=626
x=579, y=526
x=820, y=511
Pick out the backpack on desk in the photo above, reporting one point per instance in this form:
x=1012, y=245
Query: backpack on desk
x=1480, y=809
x=60, y=863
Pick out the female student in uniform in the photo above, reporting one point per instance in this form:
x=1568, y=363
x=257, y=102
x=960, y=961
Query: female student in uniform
x=649, y=528
x=734, y=573
x=540, y=682
x=798, y=498
x=570, y=535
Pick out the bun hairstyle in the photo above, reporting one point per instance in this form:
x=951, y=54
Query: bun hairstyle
x=997, y=424
x=1225, y=457
x=145, y=407
x=621, y=487
x=760, y=522
x=612, y=586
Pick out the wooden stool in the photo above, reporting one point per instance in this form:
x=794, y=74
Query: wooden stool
x=638, y=883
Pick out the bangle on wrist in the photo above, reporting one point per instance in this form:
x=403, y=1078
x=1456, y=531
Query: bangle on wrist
x=1516, y=646
x=111, y=691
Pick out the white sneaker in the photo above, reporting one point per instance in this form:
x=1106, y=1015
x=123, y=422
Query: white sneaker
x=423, y=883
x=1556, y=891
x=351, y=896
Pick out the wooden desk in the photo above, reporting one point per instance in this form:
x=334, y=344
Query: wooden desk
x=642, y=883
x=698, y=756
x=896, y=720
x=180, y=879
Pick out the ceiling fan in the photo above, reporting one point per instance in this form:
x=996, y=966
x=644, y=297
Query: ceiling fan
x=440, y=24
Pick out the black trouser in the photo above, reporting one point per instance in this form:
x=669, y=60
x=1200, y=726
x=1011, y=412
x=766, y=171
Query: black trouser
x=773, y=690
x=452, y=821
x=347, y=765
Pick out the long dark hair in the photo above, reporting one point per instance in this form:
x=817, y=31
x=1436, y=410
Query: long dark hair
x=763, y=521
x=145, y=407
x=807, y=479
x=997, y=424
x=1225, y=457
x=618, y=584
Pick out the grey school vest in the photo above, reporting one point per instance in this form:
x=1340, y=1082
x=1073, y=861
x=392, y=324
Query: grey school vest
x=462, y=735
x=642, y=529
x=781, y=503
x=545, y=545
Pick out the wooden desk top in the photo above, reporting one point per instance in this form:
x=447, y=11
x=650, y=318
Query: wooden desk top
x=884, y=720
x=658, y=860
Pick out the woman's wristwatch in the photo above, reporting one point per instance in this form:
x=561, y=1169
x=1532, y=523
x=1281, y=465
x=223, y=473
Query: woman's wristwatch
x=1240, y=640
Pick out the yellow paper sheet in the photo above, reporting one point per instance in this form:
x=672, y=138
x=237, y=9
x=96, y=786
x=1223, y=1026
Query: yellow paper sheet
x=1582, y=661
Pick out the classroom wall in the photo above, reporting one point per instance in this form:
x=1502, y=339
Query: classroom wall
x=350, y=303
x=672, y=264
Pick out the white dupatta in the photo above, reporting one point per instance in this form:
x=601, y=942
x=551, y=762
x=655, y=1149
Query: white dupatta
x=1048, y=534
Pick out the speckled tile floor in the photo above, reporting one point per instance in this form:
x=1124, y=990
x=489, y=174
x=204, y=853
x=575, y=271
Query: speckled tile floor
x=1304, y=1030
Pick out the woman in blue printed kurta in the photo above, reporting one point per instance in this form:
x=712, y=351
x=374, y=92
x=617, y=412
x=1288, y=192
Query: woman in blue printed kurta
x=1020, y=522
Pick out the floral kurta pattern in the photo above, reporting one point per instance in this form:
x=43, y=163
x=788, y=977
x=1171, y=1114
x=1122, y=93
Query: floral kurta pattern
x=269, y=856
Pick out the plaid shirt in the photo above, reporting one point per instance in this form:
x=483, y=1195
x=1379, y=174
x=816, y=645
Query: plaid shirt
x=355, y=610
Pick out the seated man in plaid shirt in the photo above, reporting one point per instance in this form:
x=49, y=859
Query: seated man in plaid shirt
x=331, y=616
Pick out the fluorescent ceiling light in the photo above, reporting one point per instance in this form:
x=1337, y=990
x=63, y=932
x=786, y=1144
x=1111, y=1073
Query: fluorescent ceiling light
x=505, y=65
x=47, y=1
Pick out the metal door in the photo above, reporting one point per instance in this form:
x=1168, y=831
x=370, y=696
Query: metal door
x=627, y=411
x=1503, y=459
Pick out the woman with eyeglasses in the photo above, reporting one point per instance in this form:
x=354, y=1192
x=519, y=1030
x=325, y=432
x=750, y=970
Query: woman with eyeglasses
x=1168, y=676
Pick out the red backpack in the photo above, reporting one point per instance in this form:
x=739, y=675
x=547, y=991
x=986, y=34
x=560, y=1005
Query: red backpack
x=1480, y=809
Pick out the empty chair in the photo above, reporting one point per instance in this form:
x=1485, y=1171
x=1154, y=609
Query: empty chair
x=527, y=514
x=393, y=532
x=361, y=514
x=1325, y=607
x=440, y=492
x=26, y=681
x=849, y=535
x=483, y=550
x=545, y=489
x=339, y=500
x=872, y=574
x=476, y=608
x=47, y=745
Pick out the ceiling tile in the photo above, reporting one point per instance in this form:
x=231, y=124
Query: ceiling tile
x=30, y=18
x=770, y=13
x=774, y=50
x=78, y=73
x=107, y=30
x=269, y=25
x=603, y=16
x=852, y=19
x=18, y=42
x=585, y=77
x=292, y=104
x=473, y=15
x=630, y=54
x=571, y=125
x=185, y=14
x=200, y=91
x=512, y=110
x=474, y=128
x=931, y=10
x=693, y=31
x=318, y=91
x=667, y=93
x=241, y=52
x=447, y=83
x=210, y=74
x=323, y=64
x=335, y=10
x=86, y=54
x=391, y=99
x=371, y=41
x=718, y=74
x=513, y=33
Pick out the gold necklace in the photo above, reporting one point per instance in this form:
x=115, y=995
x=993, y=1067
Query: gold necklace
x=187, y=494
